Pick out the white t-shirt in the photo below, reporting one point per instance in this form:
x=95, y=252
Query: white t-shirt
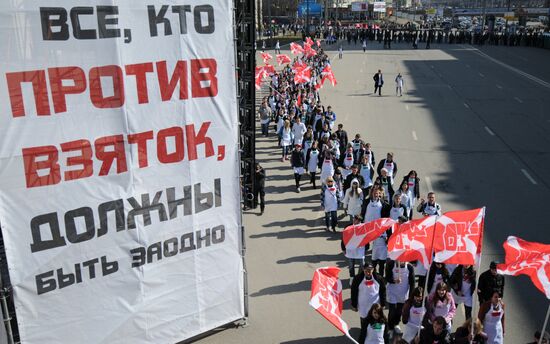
x=299, y=129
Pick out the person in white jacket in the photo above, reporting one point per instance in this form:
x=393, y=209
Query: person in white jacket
x=353, y=199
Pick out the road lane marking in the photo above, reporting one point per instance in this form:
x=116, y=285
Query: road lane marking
x=499, y=87
x=534, y=182
x=450, y=87
x=361, y=70
x=466, y=106
x=429, y=184
x=518, y=100
x=507, y=66
x=489, y=131
x=414, y=135
x=481, y=75
x=407, y=107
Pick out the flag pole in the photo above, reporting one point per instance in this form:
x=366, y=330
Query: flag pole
x=430, y=258
x=544, y=326
x=474, y=297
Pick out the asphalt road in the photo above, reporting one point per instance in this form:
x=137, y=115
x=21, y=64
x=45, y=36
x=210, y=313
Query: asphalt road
x=475, y=124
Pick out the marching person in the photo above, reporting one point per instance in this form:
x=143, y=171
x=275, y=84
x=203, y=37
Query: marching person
x=277, y=47
x=353, y=200
x=354, y=256
x=491, y=314
x=403, y=193
x=285, y=134
x=374, y=208
x=463, y=284
x=430, y=207
x=438, y=273
x=441, y=303
x=399, y=85
x=330, y=197
x=463, y=334
x=413, y=182
x=488, y=282
x=398, y=210
x=342, y=136
x=347, y=163
x=367, y=289
x=400, y=279
x=384, y=181
x=327, y=166
x=376, y=326
x=366, y=171
x=354, y=175
x=297, y=163
x=412, y=314
x=378, y=82
x=298, y=130
x=340, y=52
x=312, y=162
x=260, y=186
x=390, y=166
x=436, y=333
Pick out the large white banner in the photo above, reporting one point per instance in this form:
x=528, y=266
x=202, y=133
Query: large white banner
x=119, y=184
x=379, y=6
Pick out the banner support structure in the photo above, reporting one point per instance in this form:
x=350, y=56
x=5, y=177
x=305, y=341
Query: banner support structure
x=545, y=323
x=430, y=258
x=475, y=297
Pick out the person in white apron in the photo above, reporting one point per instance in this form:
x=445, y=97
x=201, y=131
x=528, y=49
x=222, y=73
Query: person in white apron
x=347, y=162
x=438, y=273
x=441, y=303
x=368, y=288
x=298, y=130
x=385, y=182
x=353, y=199
x=366, y=170
x=312, y=162
x=356, y=255
x=285, y=135
x=413, y=182
x=327, y=167
x=297, y=162
x=389, y=165
x=463, y=284
x=376, y=325
x=398, y=210
x=375, y=209
x=491, y=314
x=429, y=208
x=400, y=278
x=403, y=192
x=307, y=141
x=412, y=315
x=330, y=197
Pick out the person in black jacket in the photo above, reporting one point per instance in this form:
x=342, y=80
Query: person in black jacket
x=390, y=166
x=384, y=181
x=260, y=186
x=370, y=288
x=353, y=175
x=378, y=82
x=297, y=162
x=400, y=279
x=438, y=273
x=437, y=333
x=488, y=282
x=342, y=137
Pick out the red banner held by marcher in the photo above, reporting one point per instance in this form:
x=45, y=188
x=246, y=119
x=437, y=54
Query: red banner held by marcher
x=326, y=297
x=527, y=258
x=283, y=59
x=458, y=237
x=355, y=236
x=266, y=57
x=296, y=48
x=328, y=74
x=302, y=75
x=412, y=241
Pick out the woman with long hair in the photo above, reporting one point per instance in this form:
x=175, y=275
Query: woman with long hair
x=353, y=199
x=376, y=325
x=491, y=314
x=286, y=136
x=463, y=334
x=441, y=303
x=412, y=314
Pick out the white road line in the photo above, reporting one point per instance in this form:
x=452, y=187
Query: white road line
x=534, y=182
x=518, y=100
x=466, y=106
x=528, y=76
x=499, y=87
x=481, y=75
x=414, y=135
x=428, y=184
x=407, y=107
x=361, y=70
x=450, y=87
x=489, y=131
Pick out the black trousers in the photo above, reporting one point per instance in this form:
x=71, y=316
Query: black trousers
x=261, y=192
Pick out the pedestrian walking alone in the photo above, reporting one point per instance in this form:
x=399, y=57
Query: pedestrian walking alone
x=378, y=82
x=399, y=85
x=260, y=186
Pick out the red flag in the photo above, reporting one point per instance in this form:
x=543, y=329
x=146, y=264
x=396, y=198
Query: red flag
x=318, y=86
x=527, y=258
x=259, y=75
x=318, y=43
x=309, y=41
x=269, y=69
x=282, y=59
x=326, y=297
x=413, y=240
x=302, y=75
x=309, y=51
x=299, y=64
x=296, y=48
x=328, y=74
x=266, y=57
x=355, y=236
x=458, y=237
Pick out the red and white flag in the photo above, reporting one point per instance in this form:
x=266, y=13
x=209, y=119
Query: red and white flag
x=266, y=57
x=259, y=76
x=299, y=64
x=296, y=48
x=309, y=41
x=527, y=258
x=326, y=297
x=356, y=236
x=318, y=43
x=269, y=69
x=283, y=59
x=309, y=51
x=413, y=240
x=328, y=74
x=302, y=75
x=458, y=237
